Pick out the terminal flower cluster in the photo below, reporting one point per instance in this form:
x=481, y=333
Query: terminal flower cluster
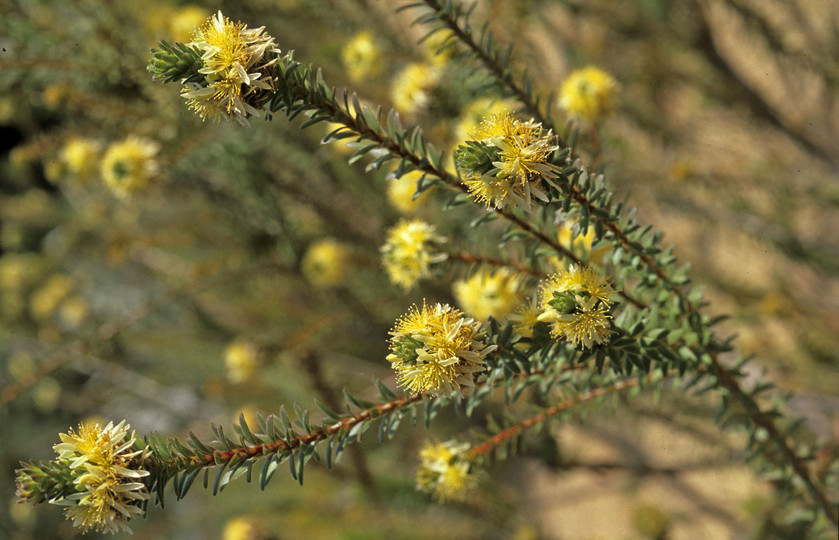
x=445, y=471
x=577, y=304
x=410, y=250
x=102, y=469
x=437, y=348
x=508, y=162
x=236, y=61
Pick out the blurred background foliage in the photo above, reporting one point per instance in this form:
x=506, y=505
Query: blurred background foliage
x=245, y=273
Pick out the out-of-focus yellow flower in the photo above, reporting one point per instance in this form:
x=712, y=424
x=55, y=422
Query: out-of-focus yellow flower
x=412, y=87
x=588, y=93
x=410, y=250
x=582, y=244
x=577, y=304
x=445, y=471
x=45, y=394
x=72, y=312
x=488, y=294
x=20, y=270
x=243, y=528
x=326, y=263
x=47, y=298
x=20, y=364
x=54, y=95
x=437, y=348
x=525, y=317
x=436, y=50
x=400, y=192
x=80, y=157
x=241, y=361
x=129, y=165
x=362, y=57
x=184, y=21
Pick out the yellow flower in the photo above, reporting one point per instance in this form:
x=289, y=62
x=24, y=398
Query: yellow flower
x=582, y=243
x=436, y=49
x=436, y=348
x=445, y=471
x=400, y=192
x=80, y=157
x=129, y=165
x=588, y=93
x=46, y=300
x=478, y=111
x=236, y=61
x=409, y=252
x=326, y=263
x=107, y=471
x=488, y=294
x=183, y=22
x=72, y=312
x=19, y=270
x=577, y=304
x=242, y=528
x=241, y=360
x=506, y=163
x=361, y=56
x=412, y=87
x=525, y=317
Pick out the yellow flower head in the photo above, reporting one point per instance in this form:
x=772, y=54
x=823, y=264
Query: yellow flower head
x=241, y=360
x=435, y=47
x=184, y=21
x=445, y=471
x=588, y=93
x=400, y=192
x=326, y=263
x=46, y=299
x=80, y=158
x=412, y=87
x=243, y=528
x=129, y=165
x=488, y=294
x=525, y=317
x=577, y=304
x=235, y=59
x=506, y=163
x=436, y=348
x=478, y=111
x=582, y=243
x=107, y=472
x=410, y=250
x=361, y=56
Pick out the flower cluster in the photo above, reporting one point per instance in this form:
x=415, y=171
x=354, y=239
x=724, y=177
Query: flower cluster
x=507, y=162
x=411, y=90
x=588, y=93
x=410, y=250
x=236, y=61
x=402, y=192
x=326, y=263
x=577, y=304
x=129, y=165
x=241, y=361
x=488, y=294
x=362, y=57
x=445, y=471
x=436, y=348
x=104, y=468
